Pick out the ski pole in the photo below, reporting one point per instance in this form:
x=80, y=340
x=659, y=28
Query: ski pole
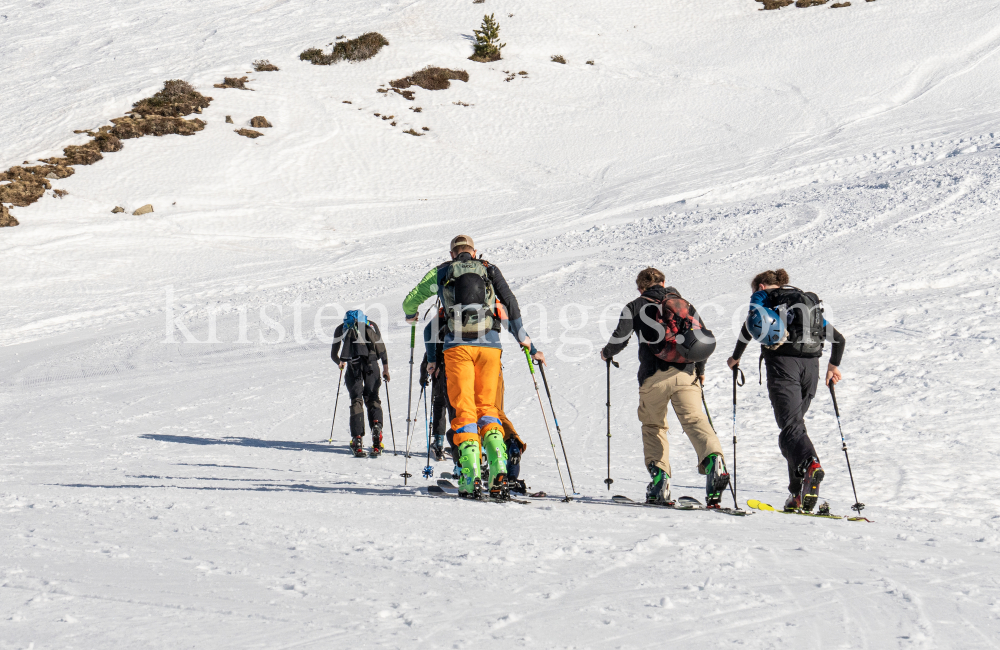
x=538, y=394
x=388, y=403
x=857, y=504
x=545, y=382
x=428, y=470
x=741, y=381
x=711, y=424
x=335, y=403
x=406, y=474
x=608, y=481
x=409, y=401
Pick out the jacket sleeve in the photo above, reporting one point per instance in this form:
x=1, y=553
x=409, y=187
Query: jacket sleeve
x=699, y=366
x=742, y=342
x=506, y=297
x=839, y=344
x=430, y=346
x=621, y=335
x=380, y=350
x=424, y=290
x=338, y=336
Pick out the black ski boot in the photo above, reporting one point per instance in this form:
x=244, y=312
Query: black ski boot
x=358, y=447
x=377, y=445
x=499, y=490
x=437, y=447
x=716, y=479
x=658, y=490
x=812, y=476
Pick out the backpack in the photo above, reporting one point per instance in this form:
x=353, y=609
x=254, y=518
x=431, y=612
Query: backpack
x=468, y=299
x=357, y=343
x=802, y=314
x=684, y=339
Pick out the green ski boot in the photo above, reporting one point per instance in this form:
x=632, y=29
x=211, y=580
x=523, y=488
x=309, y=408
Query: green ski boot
x=470, y=484
x=496, y=454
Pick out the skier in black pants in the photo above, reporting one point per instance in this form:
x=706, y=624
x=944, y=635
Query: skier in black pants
x=363, y=348
x=441, y=411
x=789, y=325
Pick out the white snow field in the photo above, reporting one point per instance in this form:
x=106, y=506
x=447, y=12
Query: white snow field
x=163, y=492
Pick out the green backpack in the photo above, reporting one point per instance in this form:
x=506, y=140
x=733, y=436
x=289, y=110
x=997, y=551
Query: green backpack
x=469, y=300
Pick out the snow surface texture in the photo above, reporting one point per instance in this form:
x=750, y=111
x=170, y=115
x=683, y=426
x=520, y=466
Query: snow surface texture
x=164, y=495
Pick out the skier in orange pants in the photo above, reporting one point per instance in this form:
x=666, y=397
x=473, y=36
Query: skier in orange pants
x=476, y=301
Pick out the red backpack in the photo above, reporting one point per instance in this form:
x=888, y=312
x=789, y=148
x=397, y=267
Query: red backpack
x=684, y=338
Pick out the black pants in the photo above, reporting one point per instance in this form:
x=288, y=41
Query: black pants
x=791, y=385
x=363, y=383
x=441, y=409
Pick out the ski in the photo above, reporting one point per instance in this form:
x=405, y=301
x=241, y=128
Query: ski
x=823, y=513
x=683, y=503
x=437, y=491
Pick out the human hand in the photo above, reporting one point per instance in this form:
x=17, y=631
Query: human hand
x=385, y=374
x=833, y=375
x=342, y=364
x=732, y=363
x=432, y=370
x=539, y=356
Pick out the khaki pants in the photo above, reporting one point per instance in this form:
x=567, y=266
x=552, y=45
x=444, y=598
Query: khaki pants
x=682, y=391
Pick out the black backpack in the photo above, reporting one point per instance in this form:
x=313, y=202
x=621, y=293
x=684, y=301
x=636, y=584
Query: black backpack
x=802, y=313
x=358, y=346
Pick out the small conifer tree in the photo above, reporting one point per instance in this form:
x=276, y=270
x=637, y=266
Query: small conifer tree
x=488, y=43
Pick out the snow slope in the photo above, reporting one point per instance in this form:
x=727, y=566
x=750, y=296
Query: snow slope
x=182, y=494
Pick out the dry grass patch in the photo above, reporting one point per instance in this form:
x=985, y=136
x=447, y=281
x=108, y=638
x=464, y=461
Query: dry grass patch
x=770, y=5
x=176, y=99
x=431, y=78
x=7, y=220
x=249, y=133
x=558, y=58
x=160, y=114
x=412, y=132
x=27, y=184
x=802, y=4
x=59, y=193
x=260, y=122
x=132, y=127
x=263, y=65
x=356, y=49
x=240, y=83
x=838, y=5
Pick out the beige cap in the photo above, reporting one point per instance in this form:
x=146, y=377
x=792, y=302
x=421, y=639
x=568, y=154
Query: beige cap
x=462, y=240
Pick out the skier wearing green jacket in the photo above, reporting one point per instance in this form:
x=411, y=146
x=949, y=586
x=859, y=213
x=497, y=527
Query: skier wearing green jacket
x=477, y=303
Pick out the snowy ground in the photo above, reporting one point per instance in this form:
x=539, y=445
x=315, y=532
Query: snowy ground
x=183, y=494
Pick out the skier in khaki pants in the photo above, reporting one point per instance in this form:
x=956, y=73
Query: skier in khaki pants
x=662, y=384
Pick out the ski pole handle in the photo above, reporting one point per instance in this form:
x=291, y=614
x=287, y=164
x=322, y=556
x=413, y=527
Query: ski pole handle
x=527, y=356
x=739, y=379
x=413, y=336
x=833, y=394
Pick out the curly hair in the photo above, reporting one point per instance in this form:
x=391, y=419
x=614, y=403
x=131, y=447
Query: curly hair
x=779, y=277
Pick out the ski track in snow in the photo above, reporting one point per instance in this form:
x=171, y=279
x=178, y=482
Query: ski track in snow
x=165, y=495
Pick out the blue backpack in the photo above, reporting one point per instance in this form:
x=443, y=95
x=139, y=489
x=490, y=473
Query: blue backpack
x=353, y=318
x=357, y=336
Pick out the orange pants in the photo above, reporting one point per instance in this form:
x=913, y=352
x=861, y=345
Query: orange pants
x=509, y=432
x=473, y=374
